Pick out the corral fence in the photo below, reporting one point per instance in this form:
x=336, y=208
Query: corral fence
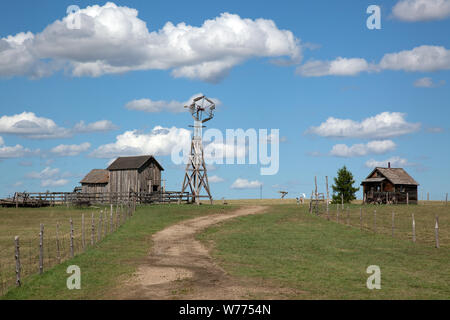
x=57, y=243
x=41, y=199
x=427, y=224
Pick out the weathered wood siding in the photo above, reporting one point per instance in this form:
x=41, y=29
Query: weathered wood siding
x=94, y=188
x=136, y=180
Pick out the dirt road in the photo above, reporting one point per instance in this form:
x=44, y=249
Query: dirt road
x=180, y=267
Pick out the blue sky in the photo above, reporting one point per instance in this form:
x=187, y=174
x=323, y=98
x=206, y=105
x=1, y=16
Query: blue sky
x=387, y=89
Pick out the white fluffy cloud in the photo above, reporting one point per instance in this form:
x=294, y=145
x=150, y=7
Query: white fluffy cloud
x=427, y=82
x=158, y=142
x=246, y=184
x=359, y=150
x=98, y=126
x=17, y=151
x=215, y=179
x=113, y=39
x=46, y=173
x=50, y=177
x=54, y=183
x=396, y=162
x=421, y=10
x=29, y=125
x=70, y=150
x=419, y=59
x=173, y=106
x=383, y=125
x=338, y=67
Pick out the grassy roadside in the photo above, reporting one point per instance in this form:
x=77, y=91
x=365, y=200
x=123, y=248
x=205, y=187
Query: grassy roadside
x=326, y=260
x=113, y=259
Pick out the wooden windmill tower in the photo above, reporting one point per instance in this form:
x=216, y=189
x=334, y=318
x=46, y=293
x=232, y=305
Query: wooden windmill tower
x=196, y=178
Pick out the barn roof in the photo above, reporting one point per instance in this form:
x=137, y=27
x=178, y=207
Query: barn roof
x=395, y=175
x=97, y=176
x=127, y=163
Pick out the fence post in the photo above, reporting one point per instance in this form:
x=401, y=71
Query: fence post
x=413, y=228
x=375, y=221
x=393, y=223
x=41, y=250
x=106, y=223
x=92, y=229
x=407, y=198
x=428, y=196
x=99, y=231
x=337, y=212
x=360, y=218
x=17, y=257
x=436, y=232
x=342, y=201
x=446, y=198
x=348, y=216
x=71, y=238
x=111, y=226
x=58, y=249
x=83, y=237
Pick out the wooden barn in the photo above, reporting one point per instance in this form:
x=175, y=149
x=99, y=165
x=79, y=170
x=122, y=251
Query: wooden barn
x=95, y=181
x=390, y=185
x=135, y=174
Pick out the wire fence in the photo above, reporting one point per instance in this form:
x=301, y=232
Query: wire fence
x=57, y=243
x=426, y=224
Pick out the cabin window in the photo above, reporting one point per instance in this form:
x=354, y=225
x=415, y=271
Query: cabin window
x=155, y=188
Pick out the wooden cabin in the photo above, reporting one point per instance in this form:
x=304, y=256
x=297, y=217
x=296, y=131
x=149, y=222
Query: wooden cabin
x=390, y=185
x=135, y=174
x=95, y=181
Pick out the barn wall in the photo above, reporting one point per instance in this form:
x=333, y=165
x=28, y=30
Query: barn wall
x=134, y=180
x=94, y=188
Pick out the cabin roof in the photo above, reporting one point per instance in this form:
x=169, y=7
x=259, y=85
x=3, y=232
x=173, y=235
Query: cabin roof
x=96, y=176
x=130, y=163
x=368, y=180
x=395, y=175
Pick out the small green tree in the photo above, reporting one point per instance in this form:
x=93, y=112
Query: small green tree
x=343, y=186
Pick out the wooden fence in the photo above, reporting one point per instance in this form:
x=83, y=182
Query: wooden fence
x=40, y=199
x=35, y=255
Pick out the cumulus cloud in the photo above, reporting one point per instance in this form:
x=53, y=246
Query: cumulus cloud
x=419, y=59
x=70, y=150
x=360, y=150
x=215, y=179
x=396, y=162
x=421, y=10
x=17, y=151
x=28, y=125
x=427, y=82
x=383, y=125
x=338, y=67
x=245, y=184
x=158, y=142
x=173, y=106
x=98, y=126
x=50, y=177
x=54, y=183
x=113, y=39
x=46, y=173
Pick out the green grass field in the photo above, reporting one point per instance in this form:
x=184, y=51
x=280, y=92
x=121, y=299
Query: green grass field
x=102, y=266
x=327, y=260
x=285, y=246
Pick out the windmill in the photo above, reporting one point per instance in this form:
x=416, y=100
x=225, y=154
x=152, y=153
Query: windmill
x=283, y=194
x=196, y=178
